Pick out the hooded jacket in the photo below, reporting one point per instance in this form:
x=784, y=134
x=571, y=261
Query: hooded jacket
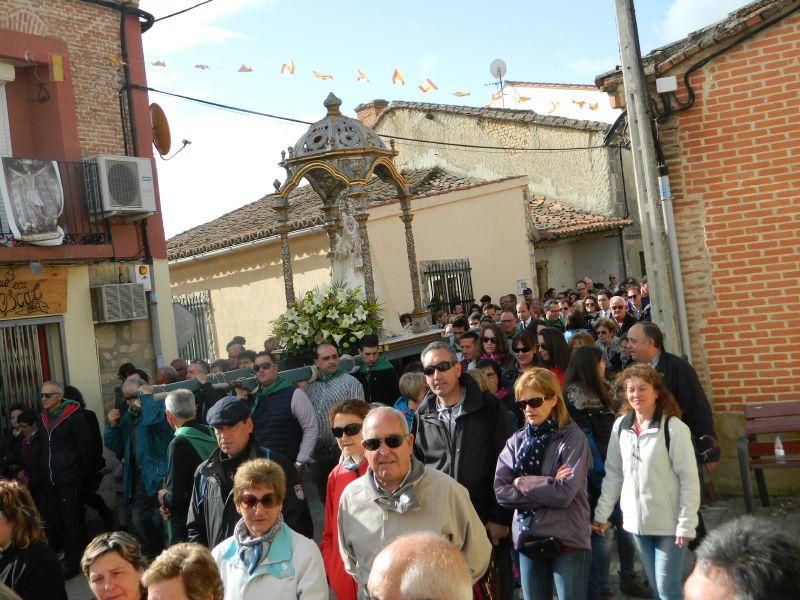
x=381, y=382
x=470, y=458
x=67, y=451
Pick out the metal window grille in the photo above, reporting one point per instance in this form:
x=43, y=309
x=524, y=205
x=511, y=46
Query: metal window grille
x=201, y=344
x=448, y=282
x=21, y=371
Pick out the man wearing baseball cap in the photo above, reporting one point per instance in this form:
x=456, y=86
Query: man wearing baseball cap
x=212, y=513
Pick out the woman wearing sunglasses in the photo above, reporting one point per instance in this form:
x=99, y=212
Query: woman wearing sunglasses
x=346, y=419
x=553, y=352
x=264, y=558
x=541, y=474
x=494, y=345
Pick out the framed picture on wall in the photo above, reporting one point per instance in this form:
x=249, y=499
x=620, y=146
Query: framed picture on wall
x=33, y=197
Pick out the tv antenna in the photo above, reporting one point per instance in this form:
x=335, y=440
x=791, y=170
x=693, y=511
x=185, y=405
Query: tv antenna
x=498, y=71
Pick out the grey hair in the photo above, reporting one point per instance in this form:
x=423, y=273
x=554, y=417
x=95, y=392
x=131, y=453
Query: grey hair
x=180, y=403
x=388, y=410
x=56, y=384
x=440, y=346
x=133, y=382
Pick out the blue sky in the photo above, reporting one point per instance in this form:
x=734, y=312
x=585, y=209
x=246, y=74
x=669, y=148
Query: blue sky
x=231, y=160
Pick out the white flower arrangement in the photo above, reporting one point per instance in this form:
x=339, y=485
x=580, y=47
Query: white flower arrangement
x=337, y=314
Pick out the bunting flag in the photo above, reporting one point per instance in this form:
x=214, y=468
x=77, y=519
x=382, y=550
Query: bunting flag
x=57, y=67
x=362, y=77
x=288, y=68
x=523, y=98
x=245, y=69
x=461, y=94
x=323, y=76
x=159, y=63
x=203, y=67
x=427, y=86
x=397, y=78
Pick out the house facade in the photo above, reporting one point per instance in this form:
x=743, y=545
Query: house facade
x=731, y=140
x=70, y=259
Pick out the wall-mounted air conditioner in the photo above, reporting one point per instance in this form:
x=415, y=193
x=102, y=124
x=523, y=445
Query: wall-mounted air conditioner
x=120, y=185
x=118, y=302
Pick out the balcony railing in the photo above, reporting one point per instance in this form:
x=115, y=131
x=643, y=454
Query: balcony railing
x=81, y=226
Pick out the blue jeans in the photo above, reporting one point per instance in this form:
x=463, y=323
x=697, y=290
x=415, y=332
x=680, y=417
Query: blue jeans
x=601, y=564
x=662, y=560
x=568, y=573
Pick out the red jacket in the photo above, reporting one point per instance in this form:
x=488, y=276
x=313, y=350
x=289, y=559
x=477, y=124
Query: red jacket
x=340, y=581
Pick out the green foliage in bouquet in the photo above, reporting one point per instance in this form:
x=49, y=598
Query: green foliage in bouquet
x=336, y=315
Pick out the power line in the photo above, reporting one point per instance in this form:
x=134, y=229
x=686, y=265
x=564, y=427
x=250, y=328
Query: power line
x=180, y=12
x=384, y=135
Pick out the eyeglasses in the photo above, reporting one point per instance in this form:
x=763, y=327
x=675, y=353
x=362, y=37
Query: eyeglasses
x=350, y=429
x=590, y=304
x=442, y=367
x=564, y=309
x=602, y=332
x=617, y=307
x=391, y=441
x=633, y=296
x=262, y=366
x=522, y=349
x=489, y=340
x=269, y=500
x=543, y=347
x=48, y=394
x=534, y=402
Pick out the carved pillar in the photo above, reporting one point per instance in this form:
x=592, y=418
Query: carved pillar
x=331, y=225
x=361, y=217
x=411, y=249
x=286, y=255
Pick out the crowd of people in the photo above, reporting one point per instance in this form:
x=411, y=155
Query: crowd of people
x=535, y=438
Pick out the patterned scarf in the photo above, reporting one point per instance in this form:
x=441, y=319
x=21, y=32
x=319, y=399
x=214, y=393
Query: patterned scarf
x=529, y=461
x=404, y=498
x=253, y=550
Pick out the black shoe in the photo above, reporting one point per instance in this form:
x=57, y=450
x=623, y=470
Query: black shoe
x=631, y=585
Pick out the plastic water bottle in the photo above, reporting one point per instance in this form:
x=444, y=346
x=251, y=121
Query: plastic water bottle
x=780, y=453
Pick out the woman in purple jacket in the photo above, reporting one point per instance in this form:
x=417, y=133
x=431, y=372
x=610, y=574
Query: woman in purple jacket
x=541, y=474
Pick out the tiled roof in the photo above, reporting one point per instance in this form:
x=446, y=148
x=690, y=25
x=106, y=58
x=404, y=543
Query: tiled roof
x=552, y=86
x=258, y=220
x=554, y=220
x=663, y=59
x=503, y=114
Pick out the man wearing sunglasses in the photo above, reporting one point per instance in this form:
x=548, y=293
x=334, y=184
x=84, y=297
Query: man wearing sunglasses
x=399, y=495
x=379, y=378
x=460, y=430
x=212, y=512
x=622, y=319
x=283, y=417
x=66, y=463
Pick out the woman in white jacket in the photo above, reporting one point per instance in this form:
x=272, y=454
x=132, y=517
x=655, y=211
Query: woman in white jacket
x=651, y=469
x=264, y=558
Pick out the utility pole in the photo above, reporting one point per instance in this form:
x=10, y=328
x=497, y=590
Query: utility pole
x=663, y=308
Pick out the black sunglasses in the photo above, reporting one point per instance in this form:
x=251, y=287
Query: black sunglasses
x=522, y=349
x=442, y=367
x=391, y=441
x=48, y=394
x=267, y=500
x=489, y=340
x=262, y=366
x=349, y=429
x=542, y=346
x=534, y=402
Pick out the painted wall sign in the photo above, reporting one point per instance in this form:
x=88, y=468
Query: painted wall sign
x=23, y=294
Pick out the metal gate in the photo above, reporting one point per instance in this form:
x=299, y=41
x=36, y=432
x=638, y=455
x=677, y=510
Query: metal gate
x=201, y=345
x=449, y=282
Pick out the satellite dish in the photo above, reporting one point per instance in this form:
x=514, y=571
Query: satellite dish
x=161, y=136
x=185, y=325
x=498, y=68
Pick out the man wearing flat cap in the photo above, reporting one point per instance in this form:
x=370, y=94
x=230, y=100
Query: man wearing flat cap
x=212, y=513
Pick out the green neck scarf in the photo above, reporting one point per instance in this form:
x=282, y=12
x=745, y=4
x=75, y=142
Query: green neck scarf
x=56, y=411
x=327, y=378
x=280, y=384
x=380, y=365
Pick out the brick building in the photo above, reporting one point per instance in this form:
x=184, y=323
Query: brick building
x=732, y=143
x=63, y=100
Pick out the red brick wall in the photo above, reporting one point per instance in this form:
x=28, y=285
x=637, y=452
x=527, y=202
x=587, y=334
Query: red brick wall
x=734, y=162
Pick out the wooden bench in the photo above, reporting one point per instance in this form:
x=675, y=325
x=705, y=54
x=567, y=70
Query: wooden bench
x=768, y=420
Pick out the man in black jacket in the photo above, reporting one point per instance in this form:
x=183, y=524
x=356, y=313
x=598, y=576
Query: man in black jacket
x=193, y=443
x=206, y=396
x=212, y=514
x=67, y=454
x=460, y=430
x=379, y=378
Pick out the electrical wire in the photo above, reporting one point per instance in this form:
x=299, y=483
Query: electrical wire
x=384, y=135
x=180, y=12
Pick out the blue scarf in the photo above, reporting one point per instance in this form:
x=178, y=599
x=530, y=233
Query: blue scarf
x=528, y=461
x=254, y=550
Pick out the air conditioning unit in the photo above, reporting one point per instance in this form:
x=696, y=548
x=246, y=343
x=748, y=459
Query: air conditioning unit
x=118, y=302
x=120, y=185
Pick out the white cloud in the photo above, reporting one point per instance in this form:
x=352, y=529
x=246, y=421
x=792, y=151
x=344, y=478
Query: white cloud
x=231, y=161
x=685, y=16
x=194, y=28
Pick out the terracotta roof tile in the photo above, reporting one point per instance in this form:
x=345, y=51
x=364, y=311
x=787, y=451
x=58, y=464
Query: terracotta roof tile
x=554, y=220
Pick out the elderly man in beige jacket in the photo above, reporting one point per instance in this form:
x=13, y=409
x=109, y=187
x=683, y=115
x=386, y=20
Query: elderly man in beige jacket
x=398, y=495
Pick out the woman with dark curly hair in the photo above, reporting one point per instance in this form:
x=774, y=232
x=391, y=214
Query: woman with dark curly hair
x=553, y=352
x=494, y=344
x=27, y=565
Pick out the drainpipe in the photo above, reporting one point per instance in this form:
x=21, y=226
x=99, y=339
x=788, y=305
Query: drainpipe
x=672, y=242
